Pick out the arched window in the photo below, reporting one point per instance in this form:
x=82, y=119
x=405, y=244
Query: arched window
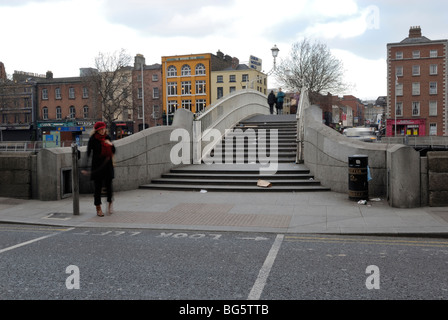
x=72, y=112
x=58, y=113
x=172, y=71
x=186, y=70
x=200, y=69
x=86, y=112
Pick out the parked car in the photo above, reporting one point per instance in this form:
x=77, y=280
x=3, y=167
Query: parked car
x=361, y=134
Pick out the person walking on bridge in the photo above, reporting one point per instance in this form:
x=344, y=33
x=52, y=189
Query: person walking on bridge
x=271, y=101
x=280, y=98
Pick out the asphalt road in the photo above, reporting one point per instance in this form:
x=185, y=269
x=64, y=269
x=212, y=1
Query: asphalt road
x=50, y=263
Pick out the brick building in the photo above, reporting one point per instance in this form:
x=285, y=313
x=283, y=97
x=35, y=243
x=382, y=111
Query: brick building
x=67, y=110
x=149, y=95
x=417, y=86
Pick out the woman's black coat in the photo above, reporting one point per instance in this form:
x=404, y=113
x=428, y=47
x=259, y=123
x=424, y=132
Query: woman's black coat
x=102, y=168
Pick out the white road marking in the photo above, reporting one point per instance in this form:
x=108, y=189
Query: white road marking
x=31, y=241
x=259, y=284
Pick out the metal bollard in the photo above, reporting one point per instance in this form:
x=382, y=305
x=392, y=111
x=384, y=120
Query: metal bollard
x=75, y=178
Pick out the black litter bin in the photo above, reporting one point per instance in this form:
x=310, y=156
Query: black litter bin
x=358, y=187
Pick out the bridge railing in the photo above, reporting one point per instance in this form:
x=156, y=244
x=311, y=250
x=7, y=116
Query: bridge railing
x=419, y=141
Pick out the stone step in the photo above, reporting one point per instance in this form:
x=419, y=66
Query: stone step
x=224, y=188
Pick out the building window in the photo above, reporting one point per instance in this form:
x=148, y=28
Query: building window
x=232, y=89
x=5, y=118
x=85, y=92
x=44, y=94
x=155, y=77
x=200, y=87
x=399, y=71
x=433, y=88
x=172, y=89
x=232, y=78
x=140, y=112
x=186, y=104
x=186, y=88
x=58, y=113
x=172, y=106
x=44, y=113
x=433, y=129
x=139, y=93
x=219, y=79
x=433, y=69
x=433, y=54
x=245, y=78
x=200, y=69
x=72, y=112
x=172, y=71
x=399, y=55
x=415, y=70
x=200, y=105
x=399, y=89
x=58, y=93
x=85, y=112
x=416, y=108
x=186, y=70
x=416, y=54
x=220, y=92
x=433, y=108
x=71, y=93
x=155, y=93
x=399, y=109
x=416, y=88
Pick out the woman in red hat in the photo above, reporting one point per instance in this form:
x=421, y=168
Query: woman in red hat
x=102, y=150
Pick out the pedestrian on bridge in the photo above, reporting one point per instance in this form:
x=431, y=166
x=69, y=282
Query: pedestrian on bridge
x=279, y=103
x=271, y=101
x=102, y=150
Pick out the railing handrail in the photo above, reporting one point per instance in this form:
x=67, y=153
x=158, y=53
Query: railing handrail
x=27, y=146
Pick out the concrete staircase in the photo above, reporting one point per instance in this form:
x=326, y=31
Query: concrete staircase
x=238, y=167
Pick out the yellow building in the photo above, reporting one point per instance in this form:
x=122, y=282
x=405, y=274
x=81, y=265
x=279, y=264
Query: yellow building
x=186, y=81
x=190, y=80
x=237, y=78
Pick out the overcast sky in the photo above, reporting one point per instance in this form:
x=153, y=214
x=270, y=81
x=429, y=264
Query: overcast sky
x=65, y=35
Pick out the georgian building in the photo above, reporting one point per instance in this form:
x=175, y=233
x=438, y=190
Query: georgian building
x=18, y=107
x=417, y=86
x=67, y=110
x=147, y=94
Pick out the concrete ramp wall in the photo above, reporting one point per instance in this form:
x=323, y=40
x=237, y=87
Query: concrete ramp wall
x=138, y=159
x=395, y=169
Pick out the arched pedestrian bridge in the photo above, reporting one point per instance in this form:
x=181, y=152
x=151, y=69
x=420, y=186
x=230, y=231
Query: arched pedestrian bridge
x=153, y=156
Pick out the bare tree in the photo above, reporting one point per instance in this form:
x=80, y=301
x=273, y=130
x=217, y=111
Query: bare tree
x=112, y=80
x=311, y=66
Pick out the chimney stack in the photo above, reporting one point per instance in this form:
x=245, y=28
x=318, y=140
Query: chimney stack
x=415, y=32
x=49, y=75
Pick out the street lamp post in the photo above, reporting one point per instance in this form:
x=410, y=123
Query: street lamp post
x=275, y=51
x=143, y=100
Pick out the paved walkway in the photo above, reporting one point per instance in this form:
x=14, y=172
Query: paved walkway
x=308, y=212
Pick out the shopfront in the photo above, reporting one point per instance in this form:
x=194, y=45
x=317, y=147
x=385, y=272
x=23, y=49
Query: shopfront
x=121, y=129
x=60, y=134
x=406, y=127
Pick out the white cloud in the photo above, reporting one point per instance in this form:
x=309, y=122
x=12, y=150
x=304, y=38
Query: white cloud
x=367, y=77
